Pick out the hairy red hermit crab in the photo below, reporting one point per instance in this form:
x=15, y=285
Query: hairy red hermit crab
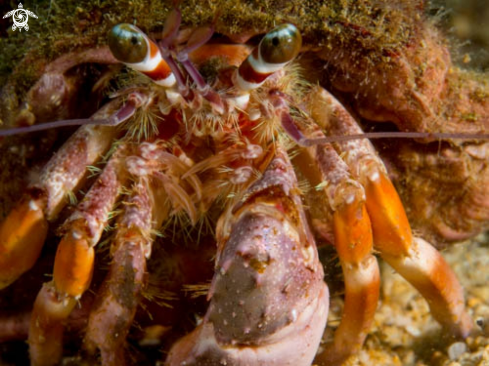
x=238, y=131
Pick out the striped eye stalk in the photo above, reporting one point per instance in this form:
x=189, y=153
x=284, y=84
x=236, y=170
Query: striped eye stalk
x=132, y=47
x=276, y=49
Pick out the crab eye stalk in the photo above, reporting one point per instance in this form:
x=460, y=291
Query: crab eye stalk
x=132, y=47
x=279, y=47
x=127, y=43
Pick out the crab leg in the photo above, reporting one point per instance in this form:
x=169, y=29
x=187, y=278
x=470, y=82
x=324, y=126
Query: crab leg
x=157, y=173
x=23, y=232
x=353, y=242
x=416, y=260
x=268, y=301
x=117, y=301
x=73, y=264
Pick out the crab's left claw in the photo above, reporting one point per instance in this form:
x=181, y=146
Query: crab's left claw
x=269, y=303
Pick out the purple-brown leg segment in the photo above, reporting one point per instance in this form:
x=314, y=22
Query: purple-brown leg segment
x=269, y=303
x=73, y=264
x=144, y=211
x=416, y=260
x=115, y=306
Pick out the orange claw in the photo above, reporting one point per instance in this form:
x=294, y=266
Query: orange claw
x=73, y=265
x=22, y=236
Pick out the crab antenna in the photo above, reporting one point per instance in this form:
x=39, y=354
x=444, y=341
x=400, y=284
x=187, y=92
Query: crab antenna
x=293, y=131
x=198, y=38
x=123, y=114
x=396, y=135
x=170, y=31
x=182, y=85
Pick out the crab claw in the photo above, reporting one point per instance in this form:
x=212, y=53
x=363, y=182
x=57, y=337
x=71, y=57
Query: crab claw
x=269, y=303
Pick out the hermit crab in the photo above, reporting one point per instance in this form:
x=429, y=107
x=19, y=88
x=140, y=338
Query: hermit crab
x=237, y=143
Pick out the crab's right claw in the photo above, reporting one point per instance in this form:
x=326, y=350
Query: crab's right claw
x=22, y=235
x=269, y=303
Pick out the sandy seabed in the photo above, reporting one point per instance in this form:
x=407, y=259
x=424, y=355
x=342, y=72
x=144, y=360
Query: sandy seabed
x=404, y=333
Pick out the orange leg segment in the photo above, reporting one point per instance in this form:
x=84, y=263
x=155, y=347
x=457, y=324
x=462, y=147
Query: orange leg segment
x=353, y=241
x=22, y=236
x=416, y=260
x=391, y=228
x=73, y=268
x=73, y=265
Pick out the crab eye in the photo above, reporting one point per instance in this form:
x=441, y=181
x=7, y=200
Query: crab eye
x=127, y=43
x=281, y=45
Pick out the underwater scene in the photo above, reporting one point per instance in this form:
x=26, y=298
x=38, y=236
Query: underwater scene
x=244, y=182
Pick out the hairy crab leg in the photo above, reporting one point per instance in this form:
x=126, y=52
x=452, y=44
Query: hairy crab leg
x=116, y=303
x=24, y=230
x=73, y=265
x=353, y=242
x=416, y=260
x=269, y=303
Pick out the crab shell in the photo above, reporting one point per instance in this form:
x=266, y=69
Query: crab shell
x=403, y=75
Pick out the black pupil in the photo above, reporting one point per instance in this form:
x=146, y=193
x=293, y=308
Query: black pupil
x=275, y=41
x=134, y=40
